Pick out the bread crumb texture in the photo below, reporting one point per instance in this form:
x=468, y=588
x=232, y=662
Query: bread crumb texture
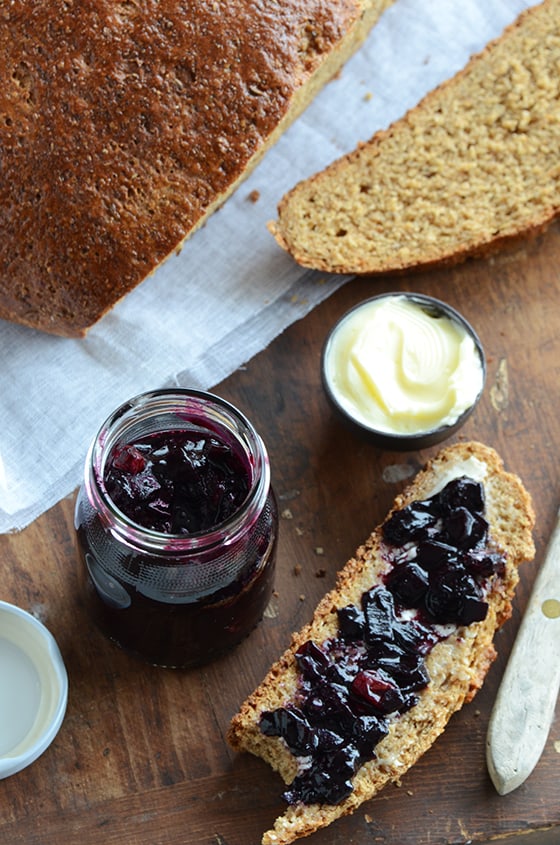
x=123, y=125
x=457, y=665
x=473, y=166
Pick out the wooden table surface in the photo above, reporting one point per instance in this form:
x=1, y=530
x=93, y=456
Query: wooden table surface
x=141, y=757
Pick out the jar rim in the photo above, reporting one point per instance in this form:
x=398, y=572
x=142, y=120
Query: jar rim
x=195, y=406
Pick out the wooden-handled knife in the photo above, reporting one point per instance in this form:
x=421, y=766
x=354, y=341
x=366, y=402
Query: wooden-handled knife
x=524, y=707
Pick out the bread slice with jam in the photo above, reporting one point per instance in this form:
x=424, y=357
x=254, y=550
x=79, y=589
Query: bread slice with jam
x=400, y=644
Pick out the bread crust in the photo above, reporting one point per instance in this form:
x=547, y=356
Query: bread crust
x=420, y=209
x=457, y=665
x=124, y=130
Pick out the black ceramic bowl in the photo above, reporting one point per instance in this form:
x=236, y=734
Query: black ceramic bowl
x=387, y=439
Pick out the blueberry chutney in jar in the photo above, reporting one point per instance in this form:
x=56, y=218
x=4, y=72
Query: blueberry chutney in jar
x=177, y=525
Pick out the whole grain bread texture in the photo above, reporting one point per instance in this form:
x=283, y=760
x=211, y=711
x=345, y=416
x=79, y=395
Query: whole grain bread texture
x=472, y=168
x=124, y=125
x=457, y=665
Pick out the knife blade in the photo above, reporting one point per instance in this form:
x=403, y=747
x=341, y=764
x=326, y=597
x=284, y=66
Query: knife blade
x=524, y=708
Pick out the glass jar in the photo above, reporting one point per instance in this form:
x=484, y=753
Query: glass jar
x=176, y=597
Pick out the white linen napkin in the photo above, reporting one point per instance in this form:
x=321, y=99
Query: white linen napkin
x=207, y=311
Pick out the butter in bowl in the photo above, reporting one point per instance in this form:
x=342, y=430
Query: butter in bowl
x=405, y=369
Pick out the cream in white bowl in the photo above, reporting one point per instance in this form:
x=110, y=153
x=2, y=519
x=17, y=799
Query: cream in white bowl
x=33, y=689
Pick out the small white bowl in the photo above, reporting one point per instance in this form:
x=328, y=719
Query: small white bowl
x=33, y=690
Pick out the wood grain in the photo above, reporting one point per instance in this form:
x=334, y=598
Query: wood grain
x=141, y=756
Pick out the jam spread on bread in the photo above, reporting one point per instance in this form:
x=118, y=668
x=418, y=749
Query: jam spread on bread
x=440, y=559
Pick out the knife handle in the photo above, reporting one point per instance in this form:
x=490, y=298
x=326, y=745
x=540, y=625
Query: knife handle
x=526, y=700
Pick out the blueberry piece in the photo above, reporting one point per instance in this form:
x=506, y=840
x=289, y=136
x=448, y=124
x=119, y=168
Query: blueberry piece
x=454, y=597
x=330, y=783
x=408, y=582
x=463, y=492
x=384, y=652
x=441, y=600
x=431, y=554
x=484, y=564
x=472, y=609
x=377, y=690
x=409, y=671
x=412, y=522
x=367, y=731
x=413, y=637
x=290, y=724
x=318, y=786
x=328, y=707
x=343, y=762
x=346, y=658
x=464, y=529
x=328, y=740
x=129, y=459
x=351, y=622
x=379, y=611
x=312, y=661
x=141, y=485
x=341, y=672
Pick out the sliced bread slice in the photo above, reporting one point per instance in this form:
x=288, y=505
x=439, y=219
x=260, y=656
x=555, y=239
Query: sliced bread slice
x=473, y=166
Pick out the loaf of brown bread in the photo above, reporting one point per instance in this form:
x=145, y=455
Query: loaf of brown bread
x=470, y=169
x=456, y=646
x=124, y=125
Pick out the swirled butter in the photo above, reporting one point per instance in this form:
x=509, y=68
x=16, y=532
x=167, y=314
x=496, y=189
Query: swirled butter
x=402, y=366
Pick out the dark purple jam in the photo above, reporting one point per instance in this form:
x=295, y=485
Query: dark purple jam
x=177, y=482
x=181, y=633
x=351, y=685
x=169, y=603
